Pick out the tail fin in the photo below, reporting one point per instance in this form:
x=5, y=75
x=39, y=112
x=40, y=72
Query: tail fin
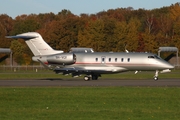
x=36, y=43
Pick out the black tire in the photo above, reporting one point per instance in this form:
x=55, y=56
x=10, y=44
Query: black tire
x=94, y=77
x=86, y=78
x=155, y=78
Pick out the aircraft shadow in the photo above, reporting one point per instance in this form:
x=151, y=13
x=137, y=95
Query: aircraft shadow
x=52, y=79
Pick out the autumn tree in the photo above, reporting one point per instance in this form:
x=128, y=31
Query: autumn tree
x=6, y=25
x=92, y=35
x=127, y=35
x=62, y=34
x=24, y=24
x=149, y=42
x=18, y=51
x=175, y=15
x=108, y=31
x=175, y=11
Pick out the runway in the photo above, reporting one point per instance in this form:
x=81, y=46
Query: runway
x=80, y=82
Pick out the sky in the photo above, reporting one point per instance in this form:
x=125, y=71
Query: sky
x=14, y=8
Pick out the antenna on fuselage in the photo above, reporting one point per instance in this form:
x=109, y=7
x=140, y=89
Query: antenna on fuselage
x=125, y=48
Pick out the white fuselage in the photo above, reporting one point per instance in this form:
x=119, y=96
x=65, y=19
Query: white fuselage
x=117, y=62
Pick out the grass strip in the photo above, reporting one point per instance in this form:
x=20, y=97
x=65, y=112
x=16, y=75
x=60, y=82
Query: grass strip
x=90, y=103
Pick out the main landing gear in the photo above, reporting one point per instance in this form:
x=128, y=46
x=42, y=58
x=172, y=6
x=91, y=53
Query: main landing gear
x=87, y=78
x=156, y=75
x=93, y=77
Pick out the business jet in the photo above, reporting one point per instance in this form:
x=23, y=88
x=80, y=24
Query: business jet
x=91, y=64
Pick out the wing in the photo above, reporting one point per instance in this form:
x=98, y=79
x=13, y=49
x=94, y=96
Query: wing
x=88, y=70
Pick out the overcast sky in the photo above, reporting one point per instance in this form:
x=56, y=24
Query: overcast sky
x=14, y=8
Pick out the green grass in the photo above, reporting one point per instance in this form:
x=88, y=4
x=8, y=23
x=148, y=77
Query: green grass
x=45, y=74
x=90, y=103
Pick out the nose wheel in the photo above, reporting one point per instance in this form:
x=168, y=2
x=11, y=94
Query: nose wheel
x=156, y=75
x=155, y=78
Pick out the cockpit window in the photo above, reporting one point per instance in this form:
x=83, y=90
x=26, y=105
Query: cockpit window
x=157, y=57
x=154, y=57
x=150, y=56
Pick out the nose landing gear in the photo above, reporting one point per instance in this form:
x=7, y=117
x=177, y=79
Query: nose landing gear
x=156, y=75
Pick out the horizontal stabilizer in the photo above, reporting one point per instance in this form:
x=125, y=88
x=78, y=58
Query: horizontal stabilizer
x=21, y=37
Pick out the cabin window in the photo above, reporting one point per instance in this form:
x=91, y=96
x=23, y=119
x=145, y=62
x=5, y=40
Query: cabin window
x=115, y=59
x=103, y=59
x=122, y=59
x=96, y=59
x=128, y=59
x=109, y=59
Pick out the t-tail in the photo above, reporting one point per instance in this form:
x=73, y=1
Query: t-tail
x=36, y=43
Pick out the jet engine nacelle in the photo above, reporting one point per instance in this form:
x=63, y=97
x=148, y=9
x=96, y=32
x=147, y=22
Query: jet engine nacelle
x=59, y=59
x=62, y=59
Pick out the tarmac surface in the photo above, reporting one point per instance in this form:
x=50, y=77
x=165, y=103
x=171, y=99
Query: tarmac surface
x=80, y=82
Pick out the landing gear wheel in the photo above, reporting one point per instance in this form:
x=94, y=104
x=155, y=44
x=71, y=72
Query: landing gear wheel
x=86, y=78
x=94, y=77
x=155, y=78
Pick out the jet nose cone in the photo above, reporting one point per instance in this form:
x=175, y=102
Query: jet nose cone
x=169, y=66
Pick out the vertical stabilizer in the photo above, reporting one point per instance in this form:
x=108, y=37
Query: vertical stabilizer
x=36, y=43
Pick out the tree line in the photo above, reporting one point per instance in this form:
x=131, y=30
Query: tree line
x=112, y=30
